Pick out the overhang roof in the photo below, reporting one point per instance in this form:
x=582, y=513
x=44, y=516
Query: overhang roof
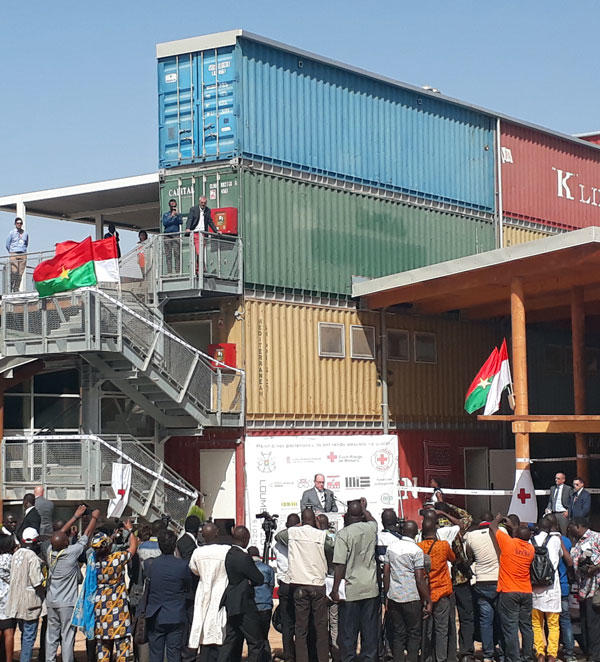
x=479, y=285
x=129, y=202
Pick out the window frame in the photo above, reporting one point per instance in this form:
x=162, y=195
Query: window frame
x=404, y=332
x=330, y=325
x=416, y=334
x=362, y=357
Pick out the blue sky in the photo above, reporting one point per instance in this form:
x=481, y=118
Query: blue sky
x=78, y=100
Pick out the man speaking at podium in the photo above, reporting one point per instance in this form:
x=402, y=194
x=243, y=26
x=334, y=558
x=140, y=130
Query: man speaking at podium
x=318, y=498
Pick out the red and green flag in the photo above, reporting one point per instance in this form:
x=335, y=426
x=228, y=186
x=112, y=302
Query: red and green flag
x=68, y=270
x=489, y=383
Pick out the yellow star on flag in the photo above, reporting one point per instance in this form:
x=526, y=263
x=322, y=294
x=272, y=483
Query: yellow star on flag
x=64, y=273
x=484, y=383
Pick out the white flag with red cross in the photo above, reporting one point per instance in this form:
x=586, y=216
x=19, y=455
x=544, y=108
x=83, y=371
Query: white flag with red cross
x=524, y=502
x=121, y=484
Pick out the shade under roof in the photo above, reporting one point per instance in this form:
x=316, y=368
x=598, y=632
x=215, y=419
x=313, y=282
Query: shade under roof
x=129, y=202
x=479, y=285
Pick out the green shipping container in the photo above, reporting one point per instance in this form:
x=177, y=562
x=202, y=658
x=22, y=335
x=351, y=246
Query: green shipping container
x=303, y=236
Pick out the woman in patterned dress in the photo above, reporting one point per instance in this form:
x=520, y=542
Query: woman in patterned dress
x=113, y=622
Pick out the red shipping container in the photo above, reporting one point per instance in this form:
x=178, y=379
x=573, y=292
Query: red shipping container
x=226, y=219
x=547, y=179
x=224, y=352
x=590, y=137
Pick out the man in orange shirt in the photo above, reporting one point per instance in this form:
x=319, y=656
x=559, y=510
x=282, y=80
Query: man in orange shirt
x=514, y=586
x=440, y=587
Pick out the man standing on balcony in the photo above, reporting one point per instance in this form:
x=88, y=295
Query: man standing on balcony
x=197, y=213
x=171, y=223
x=16, y=245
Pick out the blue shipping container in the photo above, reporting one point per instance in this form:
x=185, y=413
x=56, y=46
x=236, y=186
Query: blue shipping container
x=237, y=95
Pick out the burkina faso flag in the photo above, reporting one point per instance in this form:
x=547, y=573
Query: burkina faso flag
x=68, y=270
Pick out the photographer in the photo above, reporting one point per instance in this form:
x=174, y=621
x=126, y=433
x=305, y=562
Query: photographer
x=306, y=573
x=286, y=595
x=586, y=560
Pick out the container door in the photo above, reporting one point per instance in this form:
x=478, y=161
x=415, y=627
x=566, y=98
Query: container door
x=176, y=90
x=216, y=122
x=477, y=478
x=502, y=477
x=217, y=482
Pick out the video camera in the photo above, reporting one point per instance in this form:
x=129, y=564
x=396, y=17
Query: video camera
x=270, y=521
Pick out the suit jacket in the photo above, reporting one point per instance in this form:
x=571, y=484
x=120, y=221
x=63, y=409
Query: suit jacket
x=565, y=497
x=580, y=504
x=243, y=576
x=194, y=218
x=170, y=578
x=45, y=508
x=186, y=546
x=32, y=519
x=310, y=498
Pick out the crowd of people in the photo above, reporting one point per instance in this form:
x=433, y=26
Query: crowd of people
x=399, y=590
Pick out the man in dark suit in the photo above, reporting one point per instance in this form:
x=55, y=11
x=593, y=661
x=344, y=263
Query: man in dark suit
x=580, y=503
x=32, y=517
x=318, y=498
x=45, y=508
x=186, y=546
x=197, y=213
x=169, y=579
x=243, y=620
x=558, y=503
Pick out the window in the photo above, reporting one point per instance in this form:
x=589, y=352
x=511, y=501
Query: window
x=331, y=340
x=425, y=348
x=362, y=342
x=398, y=345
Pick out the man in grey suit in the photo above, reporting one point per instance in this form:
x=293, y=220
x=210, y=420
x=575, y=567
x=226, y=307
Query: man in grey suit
x=318, y=498
x=45, y=508
x=558, y=503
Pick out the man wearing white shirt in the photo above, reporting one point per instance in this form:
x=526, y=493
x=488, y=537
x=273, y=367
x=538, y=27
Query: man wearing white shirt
x=558, y=503
x=318, y=498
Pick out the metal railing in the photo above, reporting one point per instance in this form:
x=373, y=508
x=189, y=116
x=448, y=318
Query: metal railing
x=183, y=262
x=164, y=263
x=79, y=467
x=92, y=320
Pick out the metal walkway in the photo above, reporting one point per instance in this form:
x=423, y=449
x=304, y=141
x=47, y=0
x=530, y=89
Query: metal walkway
x=79, y=468
x=178, y=385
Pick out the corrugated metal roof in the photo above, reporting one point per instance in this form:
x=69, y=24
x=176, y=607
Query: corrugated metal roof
x=228, y=38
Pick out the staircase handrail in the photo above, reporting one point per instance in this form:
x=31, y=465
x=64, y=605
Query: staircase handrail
x=191, y=493
x=157, y=327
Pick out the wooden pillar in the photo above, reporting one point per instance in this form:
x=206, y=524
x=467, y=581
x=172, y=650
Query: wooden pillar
x=578, y=343
x=519, y=350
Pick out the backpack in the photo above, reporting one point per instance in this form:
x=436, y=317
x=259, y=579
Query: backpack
x=542, y=571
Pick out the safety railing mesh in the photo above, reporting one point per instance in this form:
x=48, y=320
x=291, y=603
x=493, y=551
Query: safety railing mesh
x=85, y=462
x=95, y=315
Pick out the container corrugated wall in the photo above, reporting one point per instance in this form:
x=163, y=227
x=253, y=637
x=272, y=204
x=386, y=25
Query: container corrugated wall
x=549, y=180
x=287, y=380
x=513, y=235
x=312, y=238
x=308, y=237
x=264, y=103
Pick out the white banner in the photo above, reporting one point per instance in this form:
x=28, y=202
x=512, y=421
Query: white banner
x=121, y=484
x=280, y=468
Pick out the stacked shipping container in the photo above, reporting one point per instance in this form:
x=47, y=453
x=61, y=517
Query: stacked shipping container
x=337, y=173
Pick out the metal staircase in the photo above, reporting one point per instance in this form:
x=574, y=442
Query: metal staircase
x=79, y=468
x=129, y=343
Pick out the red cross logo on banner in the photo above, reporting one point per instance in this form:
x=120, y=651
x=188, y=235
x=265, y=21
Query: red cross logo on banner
x=332, y=456
x=523, y=496
x=382, y=459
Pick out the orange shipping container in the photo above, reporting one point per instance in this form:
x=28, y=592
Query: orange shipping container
x=513, y=235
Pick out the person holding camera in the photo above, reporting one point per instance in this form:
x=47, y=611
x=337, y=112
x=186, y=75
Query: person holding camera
x=63, y=585
x=306, y=574
x=586, y=560
x=514, y=585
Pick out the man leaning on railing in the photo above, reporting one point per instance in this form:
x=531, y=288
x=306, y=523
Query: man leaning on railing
x=16, y=245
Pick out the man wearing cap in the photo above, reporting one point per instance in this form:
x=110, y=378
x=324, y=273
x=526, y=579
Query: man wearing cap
x=62, y=586
x=25, y=596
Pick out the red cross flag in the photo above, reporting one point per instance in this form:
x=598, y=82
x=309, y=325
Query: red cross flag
x=121, y=484
x=524, y=502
